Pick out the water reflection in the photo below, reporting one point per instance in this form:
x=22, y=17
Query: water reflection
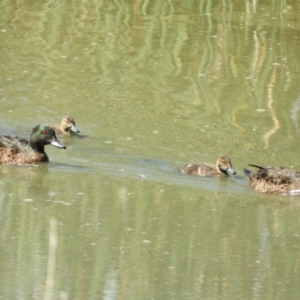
x=28, y=180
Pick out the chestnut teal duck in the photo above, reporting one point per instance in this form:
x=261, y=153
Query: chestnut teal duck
x=19, y=151
x=274, y=180
x=67, y=126
x=222, y=167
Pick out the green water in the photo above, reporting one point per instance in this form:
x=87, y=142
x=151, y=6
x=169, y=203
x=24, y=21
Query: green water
x=151, y=85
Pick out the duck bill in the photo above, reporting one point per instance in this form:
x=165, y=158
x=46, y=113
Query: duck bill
x=54, y=142
x=230, y=171
x=74, y=129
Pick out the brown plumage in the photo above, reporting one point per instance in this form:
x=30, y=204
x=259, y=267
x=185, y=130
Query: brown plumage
x=223, y=167
x=67, y=126
x=14, y=150
x=274, y=180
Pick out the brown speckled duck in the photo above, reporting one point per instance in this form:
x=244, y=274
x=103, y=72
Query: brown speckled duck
x=222, y=167
x=67, y=126
x=274, y=180
x=14, y=150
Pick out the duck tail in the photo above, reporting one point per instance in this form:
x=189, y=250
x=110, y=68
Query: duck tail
x=256, y=166
x=247, y=172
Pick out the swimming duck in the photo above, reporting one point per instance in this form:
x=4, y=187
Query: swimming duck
x=15, y=150
x=274, y=180
x=67, y=126
x=223, y=166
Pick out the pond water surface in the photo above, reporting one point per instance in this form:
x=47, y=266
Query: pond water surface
x=151, y=85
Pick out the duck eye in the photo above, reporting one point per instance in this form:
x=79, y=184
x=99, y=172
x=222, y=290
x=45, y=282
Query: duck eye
x=44, y=131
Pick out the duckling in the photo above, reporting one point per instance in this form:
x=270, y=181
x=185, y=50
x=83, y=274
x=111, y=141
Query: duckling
x=222, y=167
x=67, y=126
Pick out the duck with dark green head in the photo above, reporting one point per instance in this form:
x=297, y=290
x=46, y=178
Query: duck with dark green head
x=15, y=150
